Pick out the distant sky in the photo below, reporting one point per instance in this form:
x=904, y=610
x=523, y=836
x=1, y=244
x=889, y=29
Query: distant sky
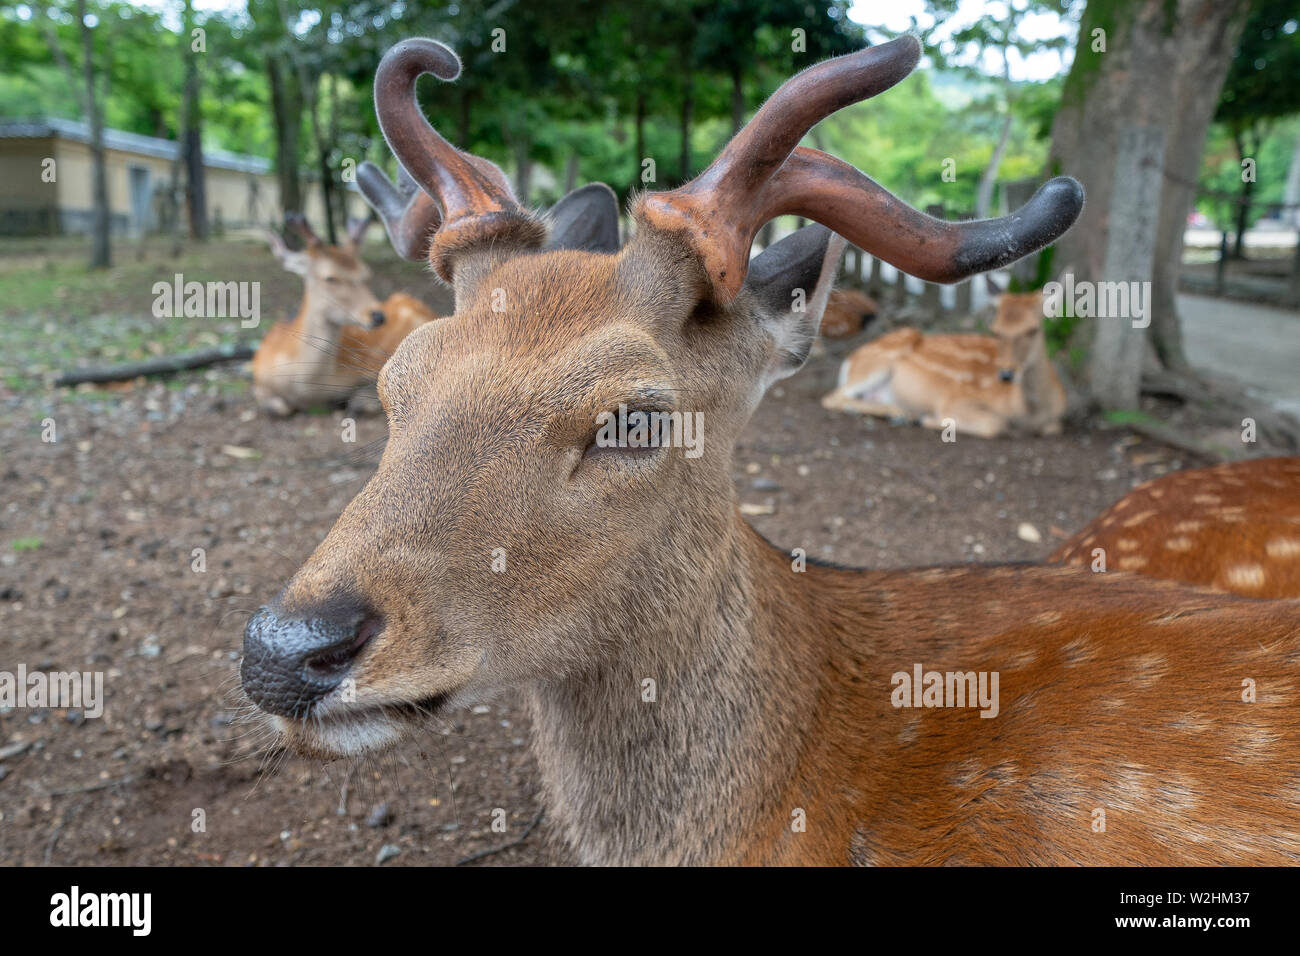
x=897, y=16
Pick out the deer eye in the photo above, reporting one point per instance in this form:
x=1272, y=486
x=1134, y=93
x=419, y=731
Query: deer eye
x=629, y=433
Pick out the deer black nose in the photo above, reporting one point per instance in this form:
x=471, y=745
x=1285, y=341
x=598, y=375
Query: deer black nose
x=376, y=318
x=292, y=662
x=1007, y=374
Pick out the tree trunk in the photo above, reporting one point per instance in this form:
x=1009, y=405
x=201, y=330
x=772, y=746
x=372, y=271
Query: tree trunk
x=1151, y=50
x=984, y=196
x=101, y=256
x=1198, y=82
x=737, y=99
x=1115, y=370
x=1244, y=151
x=323, y=149
x=192, y=137
x=523, y=168
x=287, y=110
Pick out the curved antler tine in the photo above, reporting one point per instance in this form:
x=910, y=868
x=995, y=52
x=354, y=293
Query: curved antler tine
x=755, y=153
x=409, y=214
x=728, y=187
x=827, y=190
x=472, y=195
x=763, y=173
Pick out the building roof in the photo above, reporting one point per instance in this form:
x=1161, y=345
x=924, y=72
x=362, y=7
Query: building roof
x=129, y=143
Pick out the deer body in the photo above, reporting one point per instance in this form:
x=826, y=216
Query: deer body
x=309, y=361
x=342, y=334
x=784, y=705
x=1233, y=527
x=984, y=384
x=698, y=695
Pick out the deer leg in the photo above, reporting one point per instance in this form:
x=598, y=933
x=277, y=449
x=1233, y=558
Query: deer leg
x=842, y=400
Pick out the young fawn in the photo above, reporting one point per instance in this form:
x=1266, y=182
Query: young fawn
x=699, y=695
x=342, y=334
x=982, y=384
x=1234, y=527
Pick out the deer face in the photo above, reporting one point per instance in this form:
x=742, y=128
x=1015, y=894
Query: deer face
x=341, y=280
x=502, y=540
x=509, y=535
x=336, y=280
x=1018, y=326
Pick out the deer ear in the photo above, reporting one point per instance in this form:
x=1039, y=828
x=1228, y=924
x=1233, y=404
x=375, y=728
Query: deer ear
x=792, y=281
x=297, y=262
x=586, y=220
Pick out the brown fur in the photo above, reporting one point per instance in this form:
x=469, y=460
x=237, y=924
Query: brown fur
x=1233, y=527
x=847, y=313
x=937, y=378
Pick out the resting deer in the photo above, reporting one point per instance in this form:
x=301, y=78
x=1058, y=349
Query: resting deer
x=847, y=313
x=982, y=384
x=342, y=333
x=699, y=695
x=1234, y=527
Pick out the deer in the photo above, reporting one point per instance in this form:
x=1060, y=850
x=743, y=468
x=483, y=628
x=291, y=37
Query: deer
x=333, y=348
x=699, y=695
x=983, y=385
x=848, y=312
x=1233, y=527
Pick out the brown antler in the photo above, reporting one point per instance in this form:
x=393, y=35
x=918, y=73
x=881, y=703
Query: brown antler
x=298, y=224
x=465, y=200
x=357, y=228
x=761, y=174
x=408, y=213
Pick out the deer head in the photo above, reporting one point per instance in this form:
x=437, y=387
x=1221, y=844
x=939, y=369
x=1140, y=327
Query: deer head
x=336, y=280
x=1018, y=326
x=502, y=541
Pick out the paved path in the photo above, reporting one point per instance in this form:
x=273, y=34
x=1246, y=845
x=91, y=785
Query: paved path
x=1255, y=344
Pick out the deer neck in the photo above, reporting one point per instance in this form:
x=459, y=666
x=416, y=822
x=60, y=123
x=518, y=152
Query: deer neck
x=698, y=772
x=1036, y=378
x=318, y=340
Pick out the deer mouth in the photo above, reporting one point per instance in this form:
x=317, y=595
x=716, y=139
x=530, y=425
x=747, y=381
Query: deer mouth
x=352, y=730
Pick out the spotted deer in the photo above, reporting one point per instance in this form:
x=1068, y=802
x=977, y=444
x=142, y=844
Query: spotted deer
x=699, y=695
x=341, y=335
x=982, y=384
x=1233, y=527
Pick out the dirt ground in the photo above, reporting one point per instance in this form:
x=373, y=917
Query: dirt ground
x=98, y=532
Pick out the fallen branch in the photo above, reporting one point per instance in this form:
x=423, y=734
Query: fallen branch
x=163, y=365
x=481, y=854
x=92, y=787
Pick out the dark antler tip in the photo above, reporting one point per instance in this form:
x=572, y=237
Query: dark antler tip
x=908, y=45
x=1066, y=192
